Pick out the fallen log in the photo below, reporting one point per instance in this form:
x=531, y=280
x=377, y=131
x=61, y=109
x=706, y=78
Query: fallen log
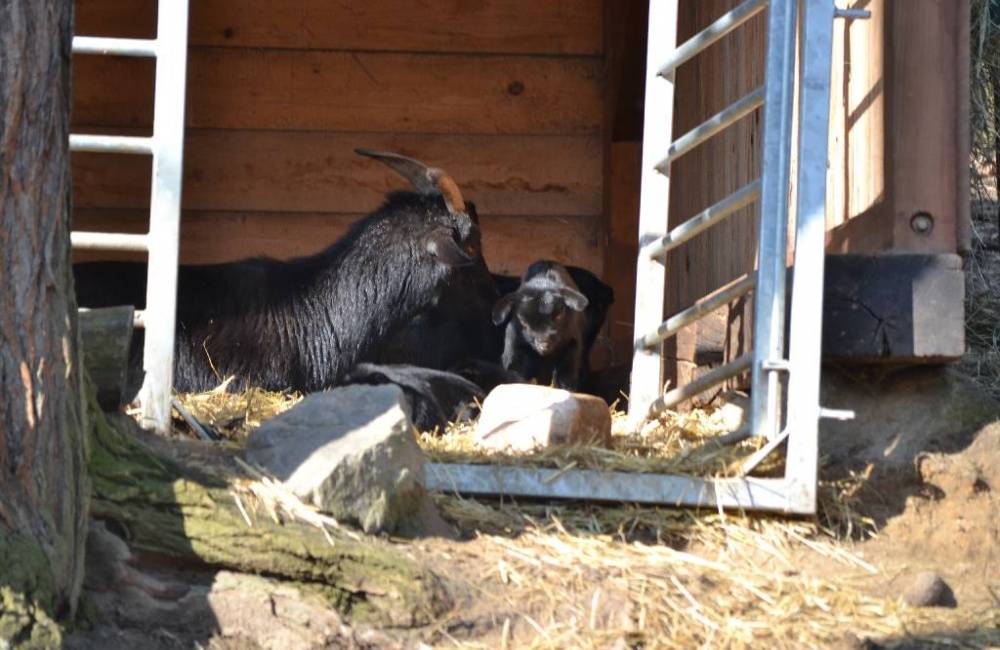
x=178, y=500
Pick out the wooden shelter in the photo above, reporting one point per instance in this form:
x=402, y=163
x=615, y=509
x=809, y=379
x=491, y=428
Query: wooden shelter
x=535, y=107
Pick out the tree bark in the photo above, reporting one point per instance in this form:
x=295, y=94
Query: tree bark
x=43, y=489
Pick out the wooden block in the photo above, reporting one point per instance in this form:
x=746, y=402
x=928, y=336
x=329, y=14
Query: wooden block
x=319, y=172
x=106, y=336
x=377, y=92
x=510, y=243
x=514, y=26
x=898, y=308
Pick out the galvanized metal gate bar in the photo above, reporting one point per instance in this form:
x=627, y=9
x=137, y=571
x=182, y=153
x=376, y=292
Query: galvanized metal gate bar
x=772, y=237
x=161, y=243
x=796, y=492
x=806, y=327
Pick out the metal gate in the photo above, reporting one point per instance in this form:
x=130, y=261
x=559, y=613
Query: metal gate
x=166, y=146
x=785, y=402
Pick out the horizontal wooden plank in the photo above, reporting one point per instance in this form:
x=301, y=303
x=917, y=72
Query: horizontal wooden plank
x=510, y=243
x=312, y=172
x=338, y=91
x=514, y=26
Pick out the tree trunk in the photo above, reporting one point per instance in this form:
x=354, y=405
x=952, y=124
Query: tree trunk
x=43, y=490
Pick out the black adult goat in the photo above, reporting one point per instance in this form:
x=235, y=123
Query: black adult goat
x=305, y=323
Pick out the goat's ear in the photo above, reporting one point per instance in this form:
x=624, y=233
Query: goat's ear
x=442, y=246
x=502, y=308
x=574, y=299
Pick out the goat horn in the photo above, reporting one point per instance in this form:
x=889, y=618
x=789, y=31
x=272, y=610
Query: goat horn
x=426, y=180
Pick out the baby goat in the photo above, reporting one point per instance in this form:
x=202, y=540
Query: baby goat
x=546, y=329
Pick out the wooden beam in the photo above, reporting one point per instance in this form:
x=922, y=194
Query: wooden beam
x=295, y=171
x=376, y=92
x=625, y=70
x=622, y=194
x=929, y=43
x=510, y=243
x=508, y=26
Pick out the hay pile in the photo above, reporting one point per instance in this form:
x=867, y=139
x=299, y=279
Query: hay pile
x=576, y=575
x=564, y=574
x=232, y=416
x=555, y=584
x=676, y=443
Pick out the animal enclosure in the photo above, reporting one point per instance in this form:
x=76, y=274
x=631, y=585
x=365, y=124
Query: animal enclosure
x=536, y=109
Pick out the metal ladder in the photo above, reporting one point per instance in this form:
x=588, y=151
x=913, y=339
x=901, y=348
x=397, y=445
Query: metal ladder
x=800, y=412
x=795, y=492
x=161, y=243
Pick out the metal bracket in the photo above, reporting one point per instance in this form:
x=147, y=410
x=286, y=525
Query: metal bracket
x=852, y=14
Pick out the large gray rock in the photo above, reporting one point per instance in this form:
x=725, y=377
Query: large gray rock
x=352, y=453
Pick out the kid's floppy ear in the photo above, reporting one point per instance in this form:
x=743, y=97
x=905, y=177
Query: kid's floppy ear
x=502, y=307
x=573, y=299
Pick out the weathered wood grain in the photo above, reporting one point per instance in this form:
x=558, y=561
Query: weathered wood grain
x=510, y=243
x=105, y=335
x=352, y=91
x=310, y=172
x=891, y=307
x=513, y=26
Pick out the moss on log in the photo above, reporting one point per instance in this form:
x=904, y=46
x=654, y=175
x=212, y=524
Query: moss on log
x=177, y=500
x=26, y=587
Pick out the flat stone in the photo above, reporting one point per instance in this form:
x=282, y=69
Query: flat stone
x=352, y=453
x=928, y=589
x=525, y=417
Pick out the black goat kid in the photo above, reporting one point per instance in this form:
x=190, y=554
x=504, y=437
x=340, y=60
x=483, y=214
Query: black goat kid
x=305, y=323
x=546, y=328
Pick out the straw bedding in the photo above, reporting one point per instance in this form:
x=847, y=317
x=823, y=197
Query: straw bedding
x=577, y=575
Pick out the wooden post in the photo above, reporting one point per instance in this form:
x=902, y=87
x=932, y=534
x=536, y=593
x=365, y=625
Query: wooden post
x=899, y=130
x=625, y=69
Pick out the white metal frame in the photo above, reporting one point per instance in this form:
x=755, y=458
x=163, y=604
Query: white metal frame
x=166, y=146
x=796, y=491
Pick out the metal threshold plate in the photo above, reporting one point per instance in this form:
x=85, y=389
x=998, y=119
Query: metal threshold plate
x=771, y=494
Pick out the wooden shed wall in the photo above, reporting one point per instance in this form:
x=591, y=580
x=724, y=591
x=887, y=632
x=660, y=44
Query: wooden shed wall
x=507, y=95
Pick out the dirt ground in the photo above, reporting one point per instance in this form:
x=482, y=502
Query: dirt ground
x=559, y=575
x=913, y=487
